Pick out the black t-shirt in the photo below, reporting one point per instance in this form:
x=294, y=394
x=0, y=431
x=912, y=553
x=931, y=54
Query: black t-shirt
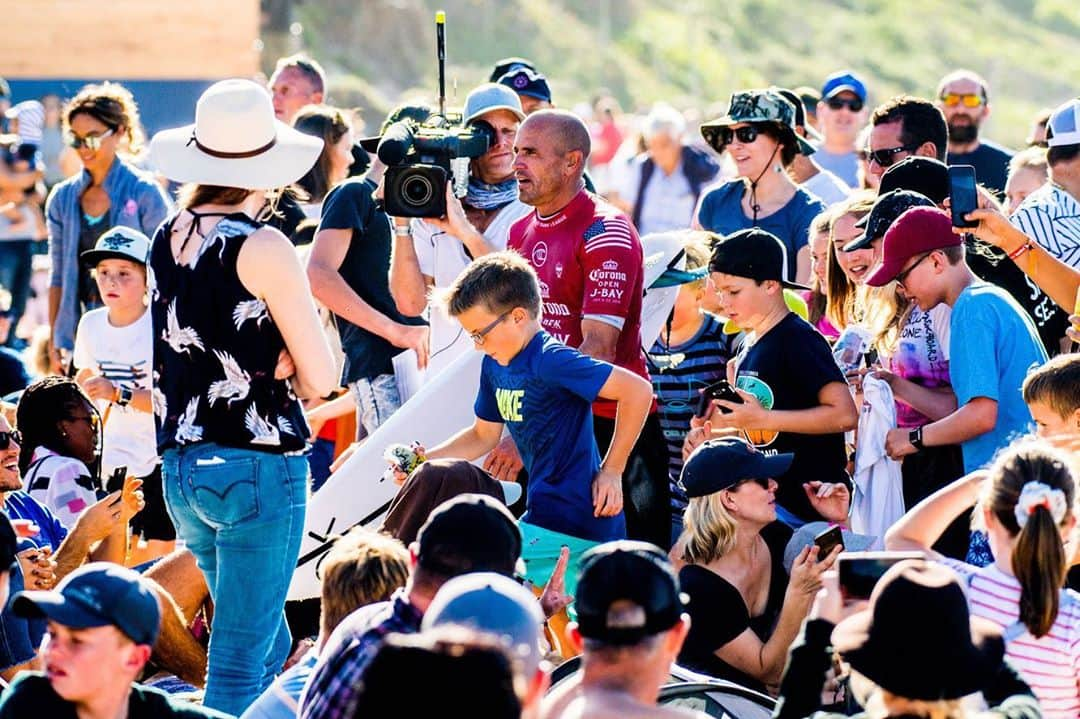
x=31, y=695
x=366, y=267
x=718, y=613
x=786, y=369
x=287, y=215
x=991, y=163
x=1050, y=320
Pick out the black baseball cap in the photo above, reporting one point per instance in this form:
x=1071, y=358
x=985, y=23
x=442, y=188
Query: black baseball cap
x=627, y=591
x=752, y=253
x=722, y=463
x=887, y=208
x=98, y=594
x=509, y=64
x=926, y=175
x=469, y=533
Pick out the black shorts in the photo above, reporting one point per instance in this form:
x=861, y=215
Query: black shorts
x=153, y=521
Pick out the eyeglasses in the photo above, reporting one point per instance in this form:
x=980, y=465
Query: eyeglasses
x=478, y=337
x=952, y=99
x=745, y=135
x=904, y=275
x=888, y=157
x=838, y=103
x=90, y=142
x=6, y=438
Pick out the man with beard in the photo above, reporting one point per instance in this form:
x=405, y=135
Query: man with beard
x=964, y=98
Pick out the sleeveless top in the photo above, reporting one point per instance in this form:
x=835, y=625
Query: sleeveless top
x=215, y=349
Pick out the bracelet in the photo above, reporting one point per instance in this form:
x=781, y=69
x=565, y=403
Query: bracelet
x=1020, y=250
x=402, y=231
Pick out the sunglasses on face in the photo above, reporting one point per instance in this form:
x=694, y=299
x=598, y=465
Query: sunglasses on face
x=91, y=419
x=478, y=336
x=745, y=135
x=838, y=103
x=90, y=142
x=6, y=438
x=952, y=99
x=759, y=481
x=888, y=157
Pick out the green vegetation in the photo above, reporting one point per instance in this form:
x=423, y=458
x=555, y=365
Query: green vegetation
x=693, y=53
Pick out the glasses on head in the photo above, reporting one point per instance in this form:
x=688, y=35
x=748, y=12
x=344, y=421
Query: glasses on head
x=904, y=275
x=6, y=438
x=969, y=99
x=745, y=135
x=888, y=157
x=90, y=142
x=838, y=103
x=479, y=335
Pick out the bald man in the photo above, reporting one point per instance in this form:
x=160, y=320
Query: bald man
x=964, y=97
x=588, y=257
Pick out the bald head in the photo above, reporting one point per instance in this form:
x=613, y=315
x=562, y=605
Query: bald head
x=963, y=77
x=565, y=130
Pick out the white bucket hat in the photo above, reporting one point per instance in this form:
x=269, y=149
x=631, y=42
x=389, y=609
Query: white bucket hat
x=235, y=142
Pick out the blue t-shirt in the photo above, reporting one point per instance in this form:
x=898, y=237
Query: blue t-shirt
x=544, y=398
x=721, y=212
x=992, y=346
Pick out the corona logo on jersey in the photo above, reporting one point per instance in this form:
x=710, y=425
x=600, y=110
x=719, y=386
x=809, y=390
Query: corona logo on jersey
x=762, y=393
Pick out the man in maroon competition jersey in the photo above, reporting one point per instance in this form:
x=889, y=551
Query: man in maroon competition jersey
x=588, y=257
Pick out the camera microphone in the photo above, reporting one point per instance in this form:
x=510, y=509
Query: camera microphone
x=395, y=144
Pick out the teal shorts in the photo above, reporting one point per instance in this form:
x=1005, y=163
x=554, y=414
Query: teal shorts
x=540, y=552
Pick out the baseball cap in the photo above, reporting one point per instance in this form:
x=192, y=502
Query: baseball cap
x=526, y=81
x=119, y=243
x=469, y=533
x=917, y=230
x=887, y=208
x=752, y=253
x=98, y=594
x=493, y=604
x=491, y=96
x=627, y=591
x=804, y=537
x=928, y=176
x=509, y=64
x=723, y=462
x=843, y=80
x=1063, y=127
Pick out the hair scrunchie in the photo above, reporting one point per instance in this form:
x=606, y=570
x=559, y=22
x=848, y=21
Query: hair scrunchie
x=1037, y=494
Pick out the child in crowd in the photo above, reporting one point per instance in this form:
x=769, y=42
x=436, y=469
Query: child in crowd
x=1052, y=394
x=542, y=391
x=113, y=350
x=794, y=396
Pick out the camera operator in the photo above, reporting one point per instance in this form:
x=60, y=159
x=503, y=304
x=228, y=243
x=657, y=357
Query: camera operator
x=432, y=252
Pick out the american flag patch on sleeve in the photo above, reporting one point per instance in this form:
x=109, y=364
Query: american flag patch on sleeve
x=608, y=233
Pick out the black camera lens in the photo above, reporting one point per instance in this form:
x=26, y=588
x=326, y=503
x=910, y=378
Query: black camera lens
x=417, y=190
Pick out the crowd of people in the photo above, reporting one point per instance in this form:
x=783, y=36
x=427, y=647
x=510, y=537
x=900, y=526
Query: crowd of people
x=853, y=361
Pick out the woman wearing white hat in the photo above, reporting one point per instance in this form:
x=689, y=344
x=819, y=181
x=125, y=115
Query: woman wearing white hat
x=231, y=300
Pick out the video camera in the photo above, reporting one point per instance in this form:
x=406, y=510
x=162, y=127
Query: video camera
x=420, y=160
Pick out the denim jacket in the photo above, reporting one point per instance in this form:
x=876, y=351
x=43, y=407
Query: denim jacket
x=136, y=200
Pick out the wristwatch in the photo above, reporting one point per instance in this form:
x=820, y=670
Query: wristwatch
x=124, y=394
x=915, y=437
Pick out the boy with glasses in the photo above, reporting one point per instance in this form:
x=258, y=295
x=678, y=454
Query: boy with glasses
x=963, y=97
x=992, y=345
x=841, y=113
x=542, y=391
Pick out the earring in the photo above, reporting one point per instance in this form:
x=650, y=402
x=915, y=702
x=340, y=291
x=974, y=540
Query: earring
x=63, y=434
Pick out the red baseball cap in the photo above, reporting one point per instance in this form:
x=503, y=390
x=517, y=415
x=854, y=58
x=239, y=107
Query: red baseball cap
x=918, y=230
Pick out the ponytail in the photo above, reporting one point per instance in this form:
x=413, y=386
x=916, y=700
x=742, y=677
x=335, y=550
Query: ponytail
x=1031, y=494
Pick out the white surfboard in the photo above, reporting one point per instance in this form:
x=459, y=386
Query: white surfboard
x=357, y=494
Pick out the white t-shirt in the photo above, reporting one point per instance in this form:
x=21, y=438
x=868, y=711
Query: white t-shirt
x=826, y=186
x=443, y=258
x=1050, y=664
x=123, y=355
x=669, y=199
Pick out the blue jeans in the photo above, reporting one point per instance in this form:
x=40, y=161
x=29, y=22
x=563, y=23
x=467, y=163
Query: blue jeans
x=241, y=513
x=376, y=399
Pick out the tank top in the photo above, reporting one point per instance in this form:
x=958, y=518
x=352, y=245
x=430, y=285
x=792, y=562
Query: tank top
x=215, y=349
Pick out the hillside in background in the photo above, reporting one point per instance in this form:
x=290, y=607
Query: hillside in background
x=693, y=53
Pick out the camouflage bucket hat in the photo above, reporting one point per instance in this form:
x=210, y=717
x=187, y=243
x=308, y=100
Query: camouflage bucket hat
x=756, y=106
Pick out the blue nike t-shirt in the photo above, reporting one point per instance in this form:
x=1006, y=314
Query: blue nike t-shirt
x=544, y=397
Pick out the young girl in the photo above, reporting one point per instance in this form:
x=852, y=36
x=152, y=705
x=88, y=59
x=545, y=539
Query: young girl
x=113, y=355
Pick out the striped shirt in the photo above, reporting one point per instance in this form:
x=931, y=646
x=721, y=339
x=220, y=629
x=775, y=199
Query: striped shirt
x=679, y=373
x=1051, y=217
x=1050, y=664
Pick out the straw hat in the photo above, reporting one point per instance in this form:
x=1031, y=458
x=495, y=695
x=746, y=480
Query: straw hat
x=235, y=142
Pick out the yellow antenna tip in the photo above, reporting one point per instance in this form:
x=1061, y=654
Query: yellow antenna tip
x=440, y=17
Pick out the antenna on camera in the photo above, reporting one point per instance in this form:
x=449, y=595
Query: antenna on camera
x=440, y=49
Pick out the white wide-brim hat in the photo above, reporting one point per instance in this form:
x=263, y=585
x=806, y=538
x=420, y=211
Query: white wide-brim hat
x=235, y=142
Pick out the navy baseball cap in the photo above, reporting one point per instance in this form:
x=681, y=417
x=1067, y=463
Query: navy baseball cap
x=98, y=594
x=752, y=253
x=525, y=81
x=627, y=591
x=509, y=64
x=888, y=207
x=928, y=176
x=469, y=533
x=844, y=80
x=722, y=463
